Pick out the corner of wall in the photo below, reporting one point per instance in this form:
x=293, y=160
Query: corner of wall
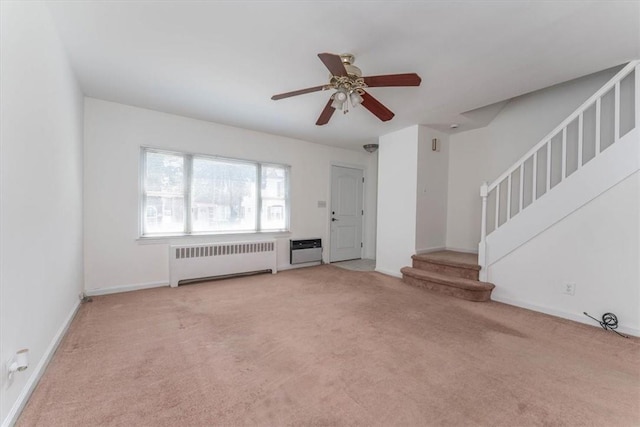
x=42, y=113
x=38, y=371
x=432, y=188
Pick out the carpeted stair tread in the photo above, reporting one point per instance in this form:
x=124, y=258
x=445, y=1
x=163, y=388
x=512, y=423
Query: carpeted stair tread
x=451, y=259
x=457, y=282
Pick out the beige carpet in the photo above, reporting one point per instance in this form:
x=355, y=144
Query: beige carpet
x=326, y=346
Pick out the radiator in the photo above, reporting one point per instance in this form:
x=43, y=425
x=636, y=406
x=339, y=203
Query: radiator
x=191, y=262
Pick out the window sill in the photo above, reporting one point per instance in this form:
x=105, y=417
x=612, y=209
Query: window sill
x=210, y=238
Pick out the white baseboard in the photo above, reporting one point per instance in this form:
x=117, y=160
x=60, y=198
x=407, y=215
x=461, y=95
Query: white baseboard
x=389, y=273
x=580, y=318
x=124, y=288
x=294, y=266
x=466, y=251
x=446, y=248
x=429, y=250
x=37, y=373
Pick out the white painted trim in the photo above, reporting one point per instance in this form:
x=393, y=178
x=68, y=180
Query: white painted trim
x=211, y=238
x=464, y=250
x=446, y=248
x=37, y=373
x=429, y=250
x=124, y=288
x=348, y=165
x=389, y=273
x=295, y=266
x=362, y=169
x=576, y=317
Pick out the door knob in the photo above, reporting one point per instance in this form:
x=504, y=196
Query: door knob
x=333, y=219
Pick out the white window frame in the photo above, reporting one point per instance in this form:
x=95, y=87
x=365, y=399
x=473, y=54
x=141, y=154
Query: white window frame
x=188, y=167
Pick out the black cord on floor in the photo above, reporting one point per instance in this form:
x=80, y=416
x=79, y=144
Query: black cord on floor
x=609, y=322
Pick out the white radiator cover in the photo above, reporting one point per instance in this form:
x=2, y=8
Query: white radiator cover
x=189, y=262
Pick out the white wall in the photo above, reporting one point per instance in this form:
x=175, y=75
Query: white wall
x=431, y=213
x=596, y=247
x=113, y=136
x=397, y=189
x=483, y=154
x=371, y=207
x=41, y=211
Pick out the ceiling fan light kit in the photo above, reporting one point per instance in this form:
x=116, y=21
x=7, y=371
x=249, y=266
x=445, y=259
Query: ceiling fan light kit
x=340, y=99
x=355, y=98
x=349, y=85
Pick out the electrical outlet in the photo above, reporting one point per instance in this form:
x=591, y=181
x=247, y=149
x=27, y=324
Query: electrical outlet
x=569, y=289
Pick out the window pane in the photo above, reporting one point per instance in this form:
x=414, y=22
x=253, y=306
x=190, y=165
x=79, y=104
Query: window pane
x=274, y=213
x=224, y=196
x=164, y=187
x=164, y=214
x=164, y=174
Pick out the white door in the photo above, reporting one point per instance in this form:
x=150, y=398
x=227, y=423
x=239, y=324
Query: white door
x=346, y=213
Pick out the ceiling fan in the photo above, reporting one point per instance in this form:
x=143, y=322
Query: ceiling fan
x=350, y=86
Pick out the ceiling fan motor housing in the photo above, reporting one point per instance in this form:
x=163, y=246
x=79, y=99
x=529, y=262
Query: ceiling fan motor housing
x=352, y=81
x=348, y=60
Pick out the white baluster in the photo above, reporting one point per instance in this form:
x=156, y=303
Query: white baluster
x=636, y=104
x=508, y=199
x=521, y=195
x=548, y=166
x=597, y=126
x=534, y=173
x=563, y=175
x=580, y=137
x=482, y=247
x=616, y=112
x=497, y=204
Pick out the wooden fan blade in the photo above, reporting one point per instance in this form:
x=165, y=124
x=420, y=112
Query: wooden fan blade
x=326, y=114
x=334, y=63
x=378, y=110
x=298, y=92
x=409, y=79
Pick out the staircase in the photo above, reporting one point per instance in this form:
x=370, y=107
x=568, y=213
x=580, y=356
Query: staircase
x=588, y=153
x=448, y=272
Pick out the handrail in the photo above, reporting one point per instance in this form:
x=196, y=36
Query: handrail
x=603, y=90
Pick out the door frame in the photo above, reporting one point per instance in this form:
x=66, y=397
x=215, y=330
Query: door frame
x=328, y=215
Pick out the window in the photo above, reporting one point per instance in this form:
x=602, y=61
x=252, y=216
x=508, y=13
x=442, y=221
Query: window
x=197, y=194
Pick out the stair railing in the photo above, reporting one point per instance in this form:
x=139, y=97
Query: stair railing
x=540, y=157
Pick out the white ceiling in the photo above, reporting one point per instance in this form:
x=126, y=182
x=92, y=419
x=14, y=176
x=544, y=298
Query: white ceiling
x=222, y=61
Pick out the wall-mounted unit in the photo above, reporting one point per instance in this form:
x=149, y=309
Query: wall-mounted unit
x=306, y=250
x=204, y=261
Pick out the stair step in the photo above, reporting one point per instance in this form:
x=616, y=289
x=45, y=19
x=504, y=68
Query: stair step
x=451, y=263
x=459, y=287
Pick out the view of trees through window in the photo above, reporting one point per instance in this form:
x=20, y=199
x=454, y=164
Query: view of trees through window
x=273, y=209
x=222, y=195
x=164, y=193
